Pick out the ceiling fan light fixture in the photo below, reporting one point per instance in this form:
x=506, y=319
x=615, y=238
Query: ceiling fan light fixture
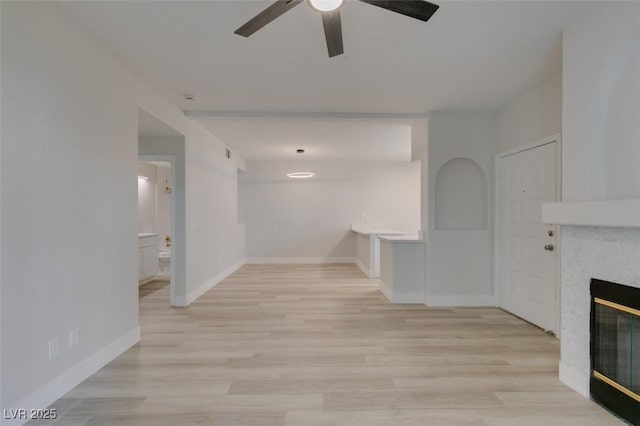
x=331, y=20
x=326, y=5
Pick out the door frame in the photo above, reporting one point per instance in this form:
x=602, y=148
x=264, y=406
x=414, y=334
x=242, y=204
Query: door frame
x=557, y=139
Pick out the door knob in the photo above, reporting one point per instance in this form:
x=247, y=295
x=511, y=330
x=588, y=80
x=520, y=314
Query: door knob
x=549, y=247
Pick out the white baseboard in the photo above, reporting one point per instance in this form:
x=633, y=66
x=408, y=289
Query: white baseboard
x=403, y=298
x=459, y=301
x=406, y=298
x=575, y=379
x=384, y=289
x=58, y=387
x=297, y=260
x=363, y=268
x=207, y=285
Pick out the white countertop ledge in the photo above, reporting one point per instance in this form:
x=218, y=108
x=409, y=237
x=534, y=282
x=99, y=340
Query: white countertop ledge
x=147, y=235
x=402, y=238
x=607, y=213
x=365, y=230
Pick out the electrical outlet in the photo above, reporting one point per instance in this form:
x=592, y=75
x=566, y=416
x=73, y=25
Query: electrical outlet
x=54, y=347
x=74, y=337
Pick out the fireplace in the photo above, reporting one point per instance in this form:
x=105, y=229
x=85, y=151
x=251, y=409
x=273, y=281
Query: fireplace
x=615, y=348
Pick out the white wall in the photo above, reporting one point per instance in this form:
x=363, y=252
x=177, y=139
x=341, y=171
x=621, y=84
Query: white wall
x=402, y=271
x=69, y=197
x=459, y=261
x=363, y=251
x=601, y=104
x=532, y=115
x=215, y=240
x=1, y=395
x=601, y=142
x=311, y=218
x=147, y=198
x=69, y=218
x=420, y=153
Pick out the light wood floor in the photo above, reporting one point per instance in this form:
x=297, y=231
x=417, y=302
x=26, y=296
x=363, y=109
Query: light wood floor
x=309, y=345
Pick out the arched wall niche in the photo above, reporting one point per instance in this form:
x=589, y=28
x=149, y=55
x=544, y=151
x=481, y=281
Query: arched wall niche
x=461, y=195
x=614, y=132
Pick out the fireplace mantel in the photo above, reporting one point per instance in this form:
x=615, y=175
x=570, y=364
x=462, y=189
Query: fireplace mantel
x=609, y=213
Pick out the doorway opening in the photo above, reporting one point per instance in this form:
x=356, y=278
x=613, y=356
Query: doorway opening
x=161, y=209
x=155, y=206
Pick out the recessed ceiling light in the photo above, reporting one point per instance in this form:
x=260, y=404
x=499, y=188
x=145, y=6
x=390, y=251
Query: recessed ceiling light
x=300, y=175
x=300, y=151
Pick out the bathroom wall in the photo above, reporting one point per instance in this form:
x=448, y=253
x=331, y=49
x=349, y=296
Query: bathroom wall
x=154, y=201
x=163, y=201
x=147, y=198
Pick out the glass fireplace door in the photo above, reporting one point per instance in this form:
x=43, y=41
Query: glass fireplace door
x=616, y=348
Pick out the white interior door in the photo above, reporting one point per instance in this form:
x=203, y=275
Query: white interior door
x=527, y=255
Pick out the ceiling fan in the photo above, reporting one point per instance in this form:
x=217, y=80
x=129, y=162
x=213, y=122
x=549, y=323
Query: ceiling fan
x=330, y=10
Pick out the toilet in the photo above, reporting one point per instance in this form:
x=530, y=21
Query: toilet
x=164, y=258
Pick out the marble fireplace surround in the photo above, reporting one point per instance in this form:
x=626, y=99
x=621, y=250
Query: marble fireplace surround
x=599, y=239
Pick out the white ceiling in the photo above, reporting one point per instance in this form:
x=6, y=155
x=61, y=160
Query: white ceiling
x=322, y=139
x=470, y=55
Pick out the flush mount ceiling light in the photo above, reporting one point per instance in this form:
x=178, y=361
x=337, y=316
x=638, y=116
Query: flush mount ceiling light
x=330, y=13
x=325, y=5
x=300, y=175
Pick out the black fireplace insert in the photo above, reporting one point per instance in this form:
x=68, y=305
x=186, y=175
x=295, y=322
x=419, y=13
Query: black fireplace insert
x=615, y=348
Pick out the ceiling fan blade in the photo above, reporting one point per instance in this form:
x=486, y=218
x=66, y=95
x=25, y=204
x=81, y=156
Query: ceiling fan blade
x=419, y=9
x=266, y=16
x=333, y=32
